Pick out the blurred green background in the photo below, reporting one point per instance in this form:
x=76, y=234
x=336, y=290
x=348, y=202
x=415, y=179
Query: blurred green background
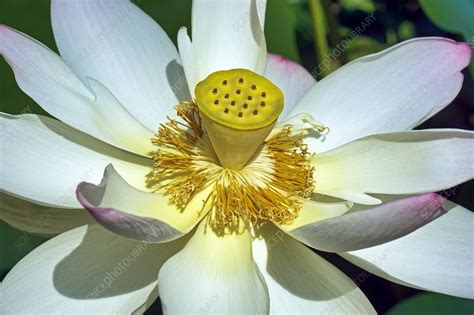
x=304, y=31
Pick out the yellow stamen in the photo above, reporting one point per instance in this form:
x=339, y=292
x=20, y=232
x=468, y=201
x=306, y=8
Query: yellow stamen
x=265, y=189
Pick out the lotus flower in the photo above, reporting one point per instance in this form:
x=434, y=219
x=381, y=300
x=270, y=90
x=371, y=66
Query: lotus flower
x=211, y=202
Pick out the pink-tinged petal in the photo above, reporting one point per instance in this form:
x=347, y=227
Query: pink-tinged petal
x=87, y=270
x=410, y=162
x=123, y=223
x=88, y=107
x=394, y=90
x=136, y=214
x=117, y=44
x=371, y=227
x=43, y=160
x=437, y=257
x=291, y=78
x=464, y=53
x=225, y=35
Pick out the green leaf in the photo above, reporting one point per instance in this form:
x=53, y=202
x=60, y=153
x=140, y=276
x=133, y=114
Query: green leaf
x=455, y=16
x=433, y=304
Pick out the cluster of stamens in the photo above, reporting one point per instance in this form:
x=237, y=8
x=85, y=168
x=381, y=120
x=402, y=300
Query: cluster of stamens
x=265, y=189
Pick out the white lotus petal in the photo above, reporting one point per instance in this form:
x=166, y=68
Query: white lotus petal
x=225, y=35
x=117, y=44
x=45, y=77
x=85, y=270
x=301, y=282
x=437, y=257
x=44, y=160
x=291, y=78
x=40, y=220
x=213, y=274
x=411, y=162
x=394, y=90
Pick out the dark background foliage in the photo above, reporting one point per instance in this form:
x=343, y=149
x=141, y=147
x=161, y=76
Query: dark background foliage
x=294, y=29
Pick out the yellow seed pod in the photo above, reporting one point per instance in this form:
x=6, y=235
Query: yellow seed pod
x=239, y=99
x=239, y=108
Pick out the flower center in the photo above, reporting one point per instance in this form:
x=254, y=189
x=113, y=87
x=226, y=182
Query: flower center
x=239, y=109
x=261, y=175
